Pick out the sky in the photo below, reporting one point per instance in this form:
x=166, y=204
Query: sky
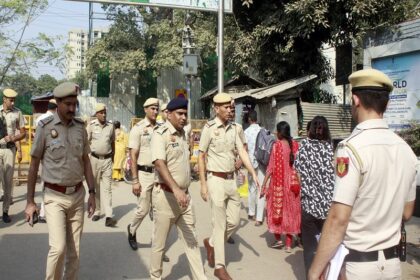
x=57, y=20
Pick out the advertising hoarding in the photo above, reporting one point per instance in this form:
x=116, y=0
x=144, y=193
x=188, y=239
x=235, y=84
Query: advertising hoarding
x=404, y=104
x=202, y=5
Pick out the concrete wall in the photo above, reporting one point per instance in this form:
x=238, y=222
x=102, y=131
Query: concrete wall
x=173, y=79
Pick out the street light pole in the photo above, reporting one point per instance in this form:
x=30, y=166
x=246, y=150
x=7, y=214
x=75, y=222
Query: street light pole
x=220, y=82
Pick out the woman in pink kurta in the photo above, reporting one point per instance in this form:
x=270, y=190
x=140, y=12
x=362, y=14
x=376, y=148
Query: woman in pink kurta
x=282, y=194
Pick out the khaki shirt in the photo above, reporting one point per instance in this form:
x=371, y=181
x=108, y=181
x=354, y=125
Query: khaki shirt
x=377, y=185
x=139, y=139
x=101, y=137
x=171, y=146
x=220, y=143
x=241, y=133
x=61, y=149
x=14, y=120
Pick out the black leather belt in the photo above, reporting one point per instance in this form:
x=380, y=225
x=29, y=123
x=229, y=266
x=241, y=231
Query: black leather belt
x=101, y=157
x=145, y=168
x=356, y=256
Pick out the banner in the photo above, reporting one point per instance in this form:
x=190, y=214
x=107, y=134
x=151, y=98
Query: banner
x=404, y=104
x=202, y=5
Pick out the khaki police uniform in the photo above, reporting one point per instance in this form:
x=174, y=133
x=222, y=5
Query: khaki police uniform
x=376, y=173
x=221, y=144
x=101, y=138
x=379, y=181
x=139, y=139
x=172, y=147
x=61, y=148
x=13, y=120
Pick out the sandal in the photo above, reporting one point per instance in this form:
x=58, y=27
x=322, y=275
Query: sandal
x=258, y=223
x=277, y=244
x=288, y=249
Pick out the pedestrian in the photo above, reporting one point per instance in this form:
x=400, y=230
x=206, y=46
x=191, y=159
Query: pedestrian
x=172, y=202
x=121, y=142
x=62, y=146
x=51, y=109
x=163, y=113
x=11, y=121
x=283, y=195
x=375, y=188
x=314, y=164
x=101, y=136
x=219, y=145
x=256, y=204
x=142, y=168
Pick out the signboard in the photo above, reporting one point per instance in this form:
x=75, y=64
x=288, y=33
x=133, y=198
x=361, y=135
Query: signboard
x=202, y=5
x=181, y=93
x=404, y=104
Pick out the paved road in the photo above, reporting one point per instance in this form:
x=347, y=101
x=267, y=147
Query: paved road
x=105, y=253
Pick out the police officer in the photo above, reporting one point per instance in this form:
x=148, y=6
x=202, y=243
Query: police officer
x=142, y=168
x=375, y=188
x=171, y=201
x=101, y=136
x=11, y=121
x=221, y=142
x=163, y=113
x=62, y=146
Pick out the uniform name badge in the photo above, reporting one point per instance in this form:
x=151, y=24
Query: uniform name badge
x=342, y=166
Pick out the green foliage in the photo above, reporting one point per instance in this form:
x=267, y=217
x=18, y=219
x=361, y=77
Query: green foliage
x=18, y=55
x=412, y=137
x=81, y=79
x=46, y=83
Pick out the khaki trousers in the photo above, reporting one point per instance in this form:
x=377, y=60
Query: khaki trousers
x=147, y=181
x=166, y=212
x=382, y=269
x=102, y=172
x=65, y=214
x=7, y=168
x=225, y=207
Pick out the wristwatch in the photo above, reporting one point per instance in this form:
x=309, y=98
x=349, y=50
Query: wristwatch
x=92, y=191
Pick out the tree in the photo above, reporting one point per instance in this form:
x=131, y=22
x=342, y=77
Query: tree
x=81, y=79
x=46, y=83
x=17, y=54
x=282, y=39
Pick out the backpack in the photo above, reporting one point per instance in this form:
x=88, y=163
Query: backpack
x=263, y=146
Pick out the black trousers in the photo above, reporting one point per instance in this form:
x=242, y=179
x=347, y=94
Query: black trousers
x=310, y=228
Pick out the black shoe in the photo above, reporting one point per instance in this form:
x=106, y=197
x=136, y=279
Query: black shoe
x=110, y=222
x=230, y=240
x=6, y=218
x=42, y=220
x=251, y=218
x=165, y=258
x=132, y=240
x=95, y=218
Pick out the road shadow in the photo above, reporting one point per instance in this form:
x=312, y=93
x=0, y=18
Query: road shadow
x=122, y=210
x=295, y=260
x=103, y=256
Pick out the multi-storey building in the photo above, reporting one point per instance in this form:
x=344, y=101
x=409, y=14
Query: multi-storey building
x=78, y=45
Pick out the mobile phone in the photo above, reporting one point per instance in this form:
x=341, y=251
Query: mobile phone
x=34, y=219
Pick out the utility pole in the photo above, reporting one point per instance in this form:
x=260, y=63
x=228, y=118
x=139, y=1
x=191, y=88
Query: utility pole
x=190, y=60
x=220, y=81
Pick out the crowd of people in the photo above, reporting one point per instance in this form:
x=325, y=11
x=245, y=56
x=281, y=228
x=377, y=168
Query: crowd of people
x=307, y=196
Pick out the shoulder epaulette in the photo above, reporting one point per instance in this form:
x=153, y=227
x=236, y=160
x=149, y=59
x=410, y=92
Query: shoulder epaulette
x=92, y=121
x=162, y=129
x=79, y=120
x=210, y=123
x=140, y=122
x=45, y=121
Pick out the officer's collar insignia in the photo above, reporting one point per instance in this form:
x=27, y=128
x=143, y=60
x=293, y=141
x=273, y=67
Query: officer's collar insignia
x=342, y=166
x=54, y=133
x=173, y=139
